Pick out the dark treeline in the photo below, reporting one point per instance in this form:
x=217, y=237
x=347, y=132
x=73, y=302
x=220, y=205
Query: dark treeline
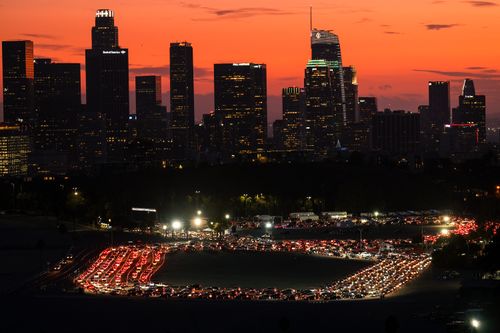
x=276, y=189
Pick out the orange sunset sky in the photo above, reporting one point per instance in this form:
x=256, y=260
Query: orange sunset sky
x=396, y=45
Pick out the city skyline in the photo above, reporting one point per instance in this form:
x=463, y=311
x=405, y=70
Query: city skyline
x=397, y=84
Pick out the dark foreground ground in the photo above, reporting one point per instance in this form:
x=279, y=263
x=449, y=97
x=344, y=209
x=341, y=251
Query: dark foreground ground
x=255, y=269
x=415, y=312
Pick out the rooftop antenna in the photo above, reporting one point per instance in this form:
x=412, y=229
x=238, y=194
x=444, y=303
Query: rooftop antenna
x=310, y=18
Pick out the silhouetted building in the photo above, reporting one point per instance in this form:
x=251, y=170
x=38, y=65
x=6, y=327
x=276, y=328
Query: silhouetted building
x=321, y=120
x=396, y=132
x=182, y=98
x=325, y=45
x=435, y=116
x=240, y=96
x=209, y=137
x=57, y=103
x=151, y=118
x=367, y=108
x=107, y=83
x=14, y=150
x=460, y=140
x=351, y=95
x=348, y=138
x=359, y=132
x=91, y=143
x=294, y=105
x=471, y=109
x=18, y=75
x=278, y=126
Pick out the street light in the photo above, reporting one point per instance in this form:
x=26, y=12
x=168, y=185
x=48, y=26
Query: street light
x=197, y=221
x=376, y=213
x=198, y=212
x=269, y=225
x=176, y=224
x=445, y=232
x=164, y=227
x=475, y=323
x=446, y=219
x=227, y=216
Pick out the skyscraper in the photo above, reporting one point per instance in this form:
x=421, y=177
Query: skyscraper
x=107, y=83
x=151, y=115
x=18, y=75
x=471, y=109
x=325, y=45
x=358, y=134
x=14, y=150
x=181, y=98
x=367, y=108
x=240, y=96
x=436, y=115
x=351, y=94
x=57, y=103
x=321, y=122
x=396, y=132
x=294, y=104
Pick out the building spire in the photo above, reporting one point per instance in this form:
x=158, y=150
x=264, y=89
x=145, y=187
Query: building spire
x=310, y=18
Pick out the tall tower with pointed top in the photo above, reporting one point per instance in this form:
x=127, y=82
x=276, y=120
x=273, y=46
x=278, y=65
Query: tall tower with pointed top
x=325, y=45
x=471, y=110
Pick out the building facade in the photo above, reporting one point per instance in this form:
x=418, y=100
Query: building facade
x=18, y=81
x=240, y=99
x=107, y=84
x=182, y=98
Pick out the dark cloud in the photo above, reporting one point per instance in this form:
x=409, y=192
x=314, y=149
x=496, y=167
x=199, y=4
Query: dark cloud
x=59, y=47
x=440, y=26
x=475, y=68
x=385, y=87
x=364, y=20
x=482, y=3
x=41, y=36
x=289, y=78
x=235, y=13
x=392, y=33
x=472, y=74
x=200, y=73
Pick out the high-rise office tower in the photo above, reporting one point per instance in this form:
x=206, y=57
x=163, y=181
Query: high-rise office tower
x=107, y=83
x=396, y=132
x=181, y=98
x=325, y=45
x=348, y=138
x=367, y=108
x=436, y=115
x=471, y=109
x=240, y=96
x=91, y=142
x=14, y=150
x=18, y=75
x=151, y=115
x=358, y=134
x=57, y=103
x=209, y=137
x=351, y=94
x=321, y=123
x=278, y=126
x=294, y=104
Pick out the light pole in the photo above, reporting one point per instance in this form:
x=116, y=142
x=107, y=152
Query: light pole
x=176, y=225
x=361, y=238
x=474, y=325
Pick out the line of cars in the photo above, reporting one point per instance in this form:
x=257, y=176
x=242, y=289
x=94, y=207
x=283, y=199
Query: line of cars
x=128, y=270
